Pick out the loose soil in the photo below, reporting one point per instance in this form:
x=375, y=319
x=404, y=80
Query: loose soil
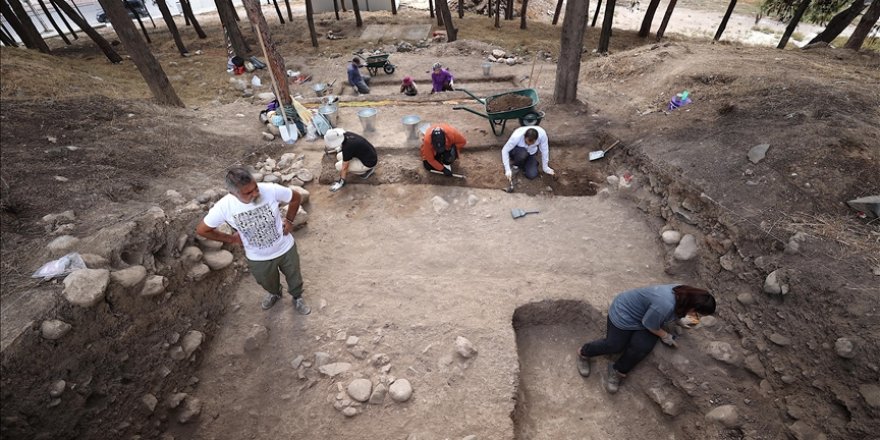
x=384, y=261
x=508, y=102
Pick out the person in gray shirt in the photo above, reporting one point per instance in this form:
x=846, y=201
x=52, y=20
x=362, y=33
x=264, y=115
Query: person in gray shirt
x=635, y=322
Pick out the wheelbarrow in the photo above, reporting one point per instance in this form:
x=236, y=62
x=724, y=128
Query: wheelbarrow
x=380, y=61
x=526, y=115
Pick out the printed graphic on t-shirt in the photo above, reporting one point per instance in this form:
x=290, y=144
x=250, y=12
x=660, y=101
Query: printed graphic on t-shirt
x=257, y=226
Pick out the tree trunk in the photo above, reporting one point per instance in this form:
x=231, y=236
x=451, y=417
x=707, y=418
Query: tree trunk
x=723, y=24
x=649, y=18
x=489, y=8
x=234, y=11
x=437, y=13
x=140, y=23
x=556, y=13
x=568, y=69
x=228, y=19
x=839, y=22
x=310, y=19
x=460, y=8
x=605, y=36
x=37, y=16
x=28, y=33
x=336, y=9
x=273, y=59
x=172, y=27
x=54, y=24
x=596, y=14
x=498, y=14
x=451, y=31
x=792, y=24
x=864, y=27
x=666, y=18
x=81, y=22
x=393, y=7
x=188, y=12
x=278, y=10
x=357, y=13
x=522, y=21
x=508, y=11
x=289, y=12
x=140, y=53
x=430, y=7
x=64, y=19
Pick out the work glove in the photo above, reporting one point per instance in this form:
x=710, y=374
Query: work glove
x=669, y=339
x=338, y=185
x=447, y=171
x=509, y=174
x=549, y=171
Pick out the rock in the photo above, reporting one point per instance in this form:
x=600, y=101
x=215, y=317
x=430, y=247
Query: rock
x=782, y=341
x=753, y=364
x=726, y=262
x=349, y=411
x=708, y=321
x=256, y=338
x=670, y=405
x=613, y=181
x=794, y=243
x=217, y=260
x=305, y=175
x=380, y=359
x=472, y=199
x=94, y=261
x=400, y=390
x=334, y=369
x=302, y=217
x=304, y=193
x=498, y=53
x=86, y=287
x=358, y=352
x=174, y=400
x=130, y=276
x=57, y=388
x=869, y=205
x=192, y=407
x=378, y=395
x=62, y=245
x=686, y=249
x=439, y=204
x=727, y=415
x=192, y=340
x=871, y=393
x=776, y=283
x=149, y=402
x=745, y=298
x=54, y=329
x=174, y=197
x=360, y=389
x=296, y=362
x=191, y=254
x=464, y=347
x=321, y=359
x=802, y=431
x=351, y=341
x=286, y=161
x=845, y=348
x=510, y=61
x=177, y=353
x=208, y=244
x=722, y=351
x=758, y=152
x=198, y=272
x=265, y=96
x=670, y=236
x=154, y=285
x=60, y=218
x=271, y=178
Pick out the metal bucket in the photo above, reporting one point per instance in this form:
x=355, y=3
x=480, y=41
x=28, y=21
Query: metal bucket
x=331, y=112
x=320, y=89
x=487, y=69
x=410, y=122
x=424, y=128
x=368, y=118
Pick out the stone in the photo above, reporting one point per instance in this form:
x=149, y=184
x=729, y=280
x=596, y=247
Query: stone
x=54, y=329
x=871, y=393
x=380, y=359
x=776, y=283
x=439, y=204
x=62, y=245
x=177, y=353
x=670, y=237
x=175, y=399
x=154, y=285
x=304, y=193
x=130, y=276
x=191, y=254
x=722, y=351
x=358, y=352
x=780, y=340
x=305, y=175
x=57, y=388
x=351, y=341
x=94, y=261
x=726, y=262
x=360, y=389
x=727, y=415
x=753, y=364
x=472, y=199
x=349, y=411
x=256, y=337
x=745, y=298
x=60, y=218
x=198, y=272
x=845, y=348
x=464, y=347
x=271, y=178
x=209, y=244
x=498, y=53
x=802, y=431
x=174, y=197
x=794, y=243
x=321, y=359
x=334, y=369
x=377, y=397
x=296, y=362
x=192, y=407
x=686, y=249
x=400, y=390
x=613, y=181
x=758, y=152
x=192, y=340
x=86, y=287
x=265, y=96
x=670, y=405
x=217, y=260
x=869, y=205
x=149, y=402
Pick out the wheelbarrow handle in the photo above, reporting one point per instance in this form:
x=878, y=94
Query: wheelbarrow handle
x=461, y=107
x=482, y=101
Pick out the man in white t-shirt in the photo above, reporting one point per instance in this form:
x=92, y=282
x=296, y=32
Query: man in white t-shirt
x=521, y=148
x=252, y=210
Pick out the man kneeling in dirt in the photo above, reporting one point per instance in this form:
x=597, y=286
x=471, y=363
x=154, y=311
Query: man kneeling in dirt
x=521, y=148
x=442, y=146
x=354, y=154
x=253, y=210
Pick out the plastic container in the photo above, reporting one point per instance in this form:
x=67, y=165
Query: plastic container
x=410, y=124
x=368, y=118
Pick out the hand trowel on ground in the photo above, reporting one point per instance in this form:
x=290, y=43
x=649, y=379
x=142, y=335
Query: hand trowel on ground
x=517, y=213
x=598, y=154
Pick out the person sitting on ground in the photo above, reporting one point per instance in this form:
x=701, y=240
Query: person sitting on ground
x=353, y=154
x=358, y=82
x=441, y=79
x=408, y=87
x=520, y=151
x=635, y=322
x=252, y=210
x=441, y=147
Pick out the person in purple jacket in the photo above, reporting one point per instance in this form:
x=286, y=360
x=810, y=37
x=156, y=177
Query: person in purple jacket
x=441, y=79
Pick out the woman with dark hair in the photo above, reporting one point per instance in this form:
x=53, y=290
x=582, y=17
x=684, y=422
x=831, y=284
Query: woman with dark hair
x=635, y=322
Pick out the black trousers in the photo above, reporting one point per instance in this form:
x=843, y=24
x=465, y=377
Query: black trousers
x=520, y=157
x=635, y=345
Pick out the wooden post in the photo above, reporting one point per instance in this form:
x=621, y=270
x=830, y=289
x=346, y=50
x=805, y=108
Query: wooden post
x=140, y=53
x=649, y=18
x=571, y=46
x=393, y=7
x=336, y=8
x=498, y=14
x=605, y=36
x=792, y=24
x=81, y=22
x=172, y=27
x=666, y=18
x=228, y=19
x=273, y=59
x=460, y=8
x=28, y=33
x=451, y=31
x=310, y=19
x=723, y=24
x=52, y=20
x=357, y=13
x=5, y=38
x=596, y=14
x=522, y=21
x=64, y=19
x=188, y=12
x=556, y=13
x=278, y=11
x=430, y=7
x=138, y=18
x=289, y=12
x=864, y=27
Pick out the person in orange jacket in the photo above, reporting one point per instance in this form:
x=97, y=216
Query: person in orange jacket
x=441, y=147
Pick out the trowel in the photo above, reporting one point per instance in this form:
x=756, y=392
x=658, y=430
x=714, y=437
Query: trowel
x=598, y=154
x=517, y=213
x=510, y=188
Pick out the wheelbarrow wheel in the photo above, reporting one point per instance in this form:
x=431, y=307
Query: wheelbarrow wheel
x=388, y=68
x=530, y=119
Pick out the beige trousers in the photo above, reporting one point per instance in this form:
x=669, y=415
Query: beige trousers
x=354, y=165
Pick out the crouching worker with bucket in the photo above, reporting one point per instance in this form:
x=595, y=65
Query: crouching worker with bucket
x=354, y=154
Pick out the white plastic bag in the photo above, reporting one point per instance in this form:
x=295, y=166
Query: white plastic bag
x=311, y=133
x=60, y=267
x=256, y=82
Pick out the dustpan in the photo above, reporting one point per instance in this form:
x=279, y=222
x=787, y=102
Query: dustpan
x=517, y=213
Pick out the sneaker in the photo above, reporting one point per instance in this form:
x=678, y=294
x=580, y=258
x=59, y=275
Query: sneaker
x=583, y=364
x=368, y=173
x=612, y=383
x=301, y=307
x=269, y=300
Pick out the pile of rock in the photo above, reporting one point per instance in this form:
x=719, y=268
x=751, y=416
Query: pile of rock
x=500, y=56
x=287, y=170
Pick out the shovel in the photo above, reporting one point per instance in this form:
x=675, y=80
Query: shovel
x=517, y=213
x=460, y=176
x=598, y=154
